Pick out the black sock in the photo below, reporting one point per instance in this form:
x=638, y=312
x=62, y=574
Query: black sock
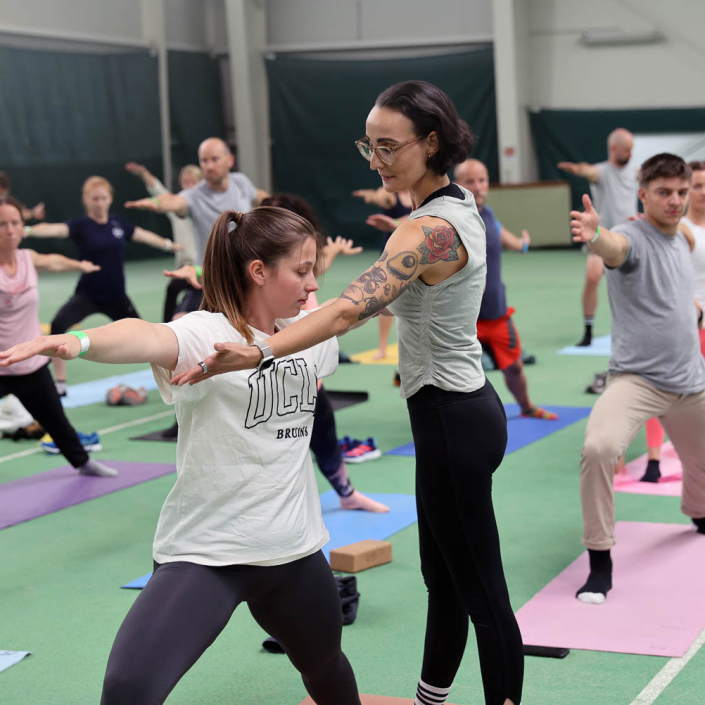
x=653, y=471
x=600, y=579
x=587, y=336
x=700, y=523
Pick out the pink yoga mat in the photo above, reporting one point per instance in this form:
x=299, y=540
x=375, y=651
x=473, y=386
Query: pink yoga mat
x=656, y=607
x=50, y=491
x=670, y=484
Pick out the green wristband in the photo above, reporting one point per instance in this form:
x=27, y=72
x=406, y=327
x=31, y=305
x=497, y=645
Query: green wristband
x=199, y=271
x=597, y=234
x=155, y=200
x=28, y=230
x=85, y=341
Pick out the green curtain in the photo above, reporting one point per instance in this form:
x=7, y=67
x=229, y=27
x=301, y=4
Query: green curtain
x=581, y=136
x=195, y=103
x=66, y=116
x=318, y=109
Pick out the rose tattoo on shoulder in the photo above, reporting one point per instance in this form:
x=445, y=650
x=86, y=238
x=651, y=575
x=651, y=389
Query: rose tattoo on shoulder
x=440, y=244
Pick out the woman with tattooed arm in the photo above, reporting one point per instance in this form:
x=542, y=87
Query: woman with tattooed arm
x=431, y=275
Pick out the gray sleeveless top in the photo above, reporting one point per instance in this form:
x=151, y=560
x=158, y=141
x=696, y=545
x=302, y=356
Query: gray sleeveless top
x=437, y=325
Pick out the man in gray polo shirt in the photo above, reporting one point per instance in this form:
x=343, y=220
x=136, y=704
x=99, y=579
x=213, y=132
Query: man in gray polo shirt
x=220, y=190
x=656, y=367
x=613, y=185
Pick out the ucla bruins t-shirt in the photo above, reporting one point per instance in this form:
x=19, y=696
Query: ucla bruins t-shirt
x=245, y=490
x=104, y=245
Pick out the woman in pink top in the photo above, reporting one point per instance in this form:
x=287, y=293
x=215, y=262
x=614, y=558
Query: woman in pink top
x=30, y=380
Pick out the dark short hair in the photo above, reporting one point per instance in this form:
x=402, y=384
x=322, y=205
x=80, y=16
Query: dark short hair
x=663, y=166
x=697, y=165
x=5, y=181
x=431, y=110
x=12, y=201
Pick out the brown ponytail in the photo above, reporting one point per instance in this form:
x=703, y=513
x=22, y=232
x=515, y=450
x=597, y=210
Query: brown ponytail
x=266, y=233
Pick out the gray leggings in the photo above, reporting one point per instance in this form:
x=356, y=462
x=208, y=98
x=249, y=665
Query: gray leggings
x=185, y=606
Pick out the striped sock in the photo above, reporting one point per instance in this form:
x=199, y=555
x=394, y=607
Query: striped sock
x=430, y=695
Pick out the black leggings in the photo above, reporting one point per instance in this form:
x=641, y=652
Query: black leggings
x=37, y=393
x=176, y=286
x=79, y=307
x=185, y=606
x=460, y=440
x=325, y=448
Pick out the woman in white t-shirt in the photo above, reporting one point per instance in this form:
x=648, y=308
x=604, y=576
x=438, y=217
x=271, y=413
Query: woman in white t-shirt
x=243, y=521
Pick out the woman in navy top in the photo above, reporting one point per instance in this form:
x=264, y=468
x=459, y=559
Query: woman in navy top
x=99, y=237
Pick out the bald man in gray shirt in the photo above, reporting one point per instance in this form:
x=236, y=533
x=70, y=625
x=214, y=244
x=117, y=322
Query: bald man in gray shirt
x=656, y=367
x=613, y=185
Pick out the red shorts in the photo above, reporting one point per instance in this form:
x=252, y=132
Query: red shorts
x=702, y=341
x=501, y=337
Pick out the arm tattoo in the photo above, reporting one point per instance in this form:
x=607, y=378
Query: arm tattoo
x=440, y=245
x=376, y=288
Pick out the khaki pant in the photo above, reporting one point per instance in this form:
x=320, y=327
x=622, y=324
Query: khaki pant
x=622, y=409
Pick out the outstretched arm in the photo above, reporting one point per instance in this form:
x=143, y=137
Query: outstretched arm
x=512, y=242
x=145, y=174
x=612, y=247
x=415, y=248
x=59, y=263
x=60, y=230
x=164, y=203
x=333, y=248
x=378, y=196
x=128, y=340
x=147, y=237
x=582, y=169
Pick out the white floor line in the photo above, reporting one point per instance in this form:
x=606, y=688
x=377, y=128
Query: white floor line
x=665, y=676
x=105, y=431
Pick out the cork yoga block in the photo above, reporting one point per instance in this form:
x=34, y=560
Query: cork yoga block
x=360, y=556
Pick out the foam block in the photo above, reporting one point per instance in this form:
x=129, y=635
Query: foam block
x=669, y=485
x=601, y=347
x=656, y=607
x=366, y=357
x=47, y=492
x=521, y=432
x=361, y=556
x=373, y=700
x=10, y=658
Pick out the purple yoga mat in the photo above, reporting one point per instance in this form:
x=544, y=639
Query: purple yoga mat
x=50, y=491
x=656, y=607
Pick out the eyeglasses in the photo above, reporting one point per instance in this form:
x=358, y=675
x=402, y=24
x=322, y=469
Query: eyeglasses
x=387, y=155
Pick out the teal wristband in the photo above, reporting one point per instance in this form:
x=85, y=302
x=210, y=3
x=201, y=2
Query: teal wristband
x=199, y=271
x=84, y=339
x=597, y=234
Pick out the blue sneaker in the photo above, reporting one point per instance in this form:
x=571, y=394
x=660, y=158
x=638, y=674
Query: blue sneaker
x=362, y=451
x=90, y=441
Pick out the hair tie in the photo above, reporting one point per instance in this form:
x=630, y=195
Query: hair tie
x=232, y=225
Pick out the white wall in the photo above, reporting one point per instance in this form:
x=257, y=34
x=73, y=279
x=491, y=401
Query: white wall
x=322, y=22
x=566, y=74
x=190, y=24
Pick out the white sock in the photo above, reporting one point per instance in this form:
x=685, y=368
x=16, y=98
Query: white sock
x=430, y=695
x=93, y=467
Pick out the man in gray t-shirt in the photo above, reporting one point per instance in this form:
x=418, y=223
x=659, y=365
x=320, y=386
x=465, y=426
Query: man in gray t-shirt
x=613, y=185
x=221, y=190
x=656, y=369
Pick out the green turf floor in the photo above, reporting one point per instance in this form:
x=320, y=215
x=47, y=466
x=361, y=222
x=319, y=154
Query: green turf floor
x=60, y=574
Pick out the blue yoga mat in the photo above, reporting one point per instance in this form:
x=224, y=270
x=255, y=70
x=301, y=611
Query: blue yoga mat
x=94, y=392
x=10, y=658
x=523, y=431
x=345, y=526
x=601, y=347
